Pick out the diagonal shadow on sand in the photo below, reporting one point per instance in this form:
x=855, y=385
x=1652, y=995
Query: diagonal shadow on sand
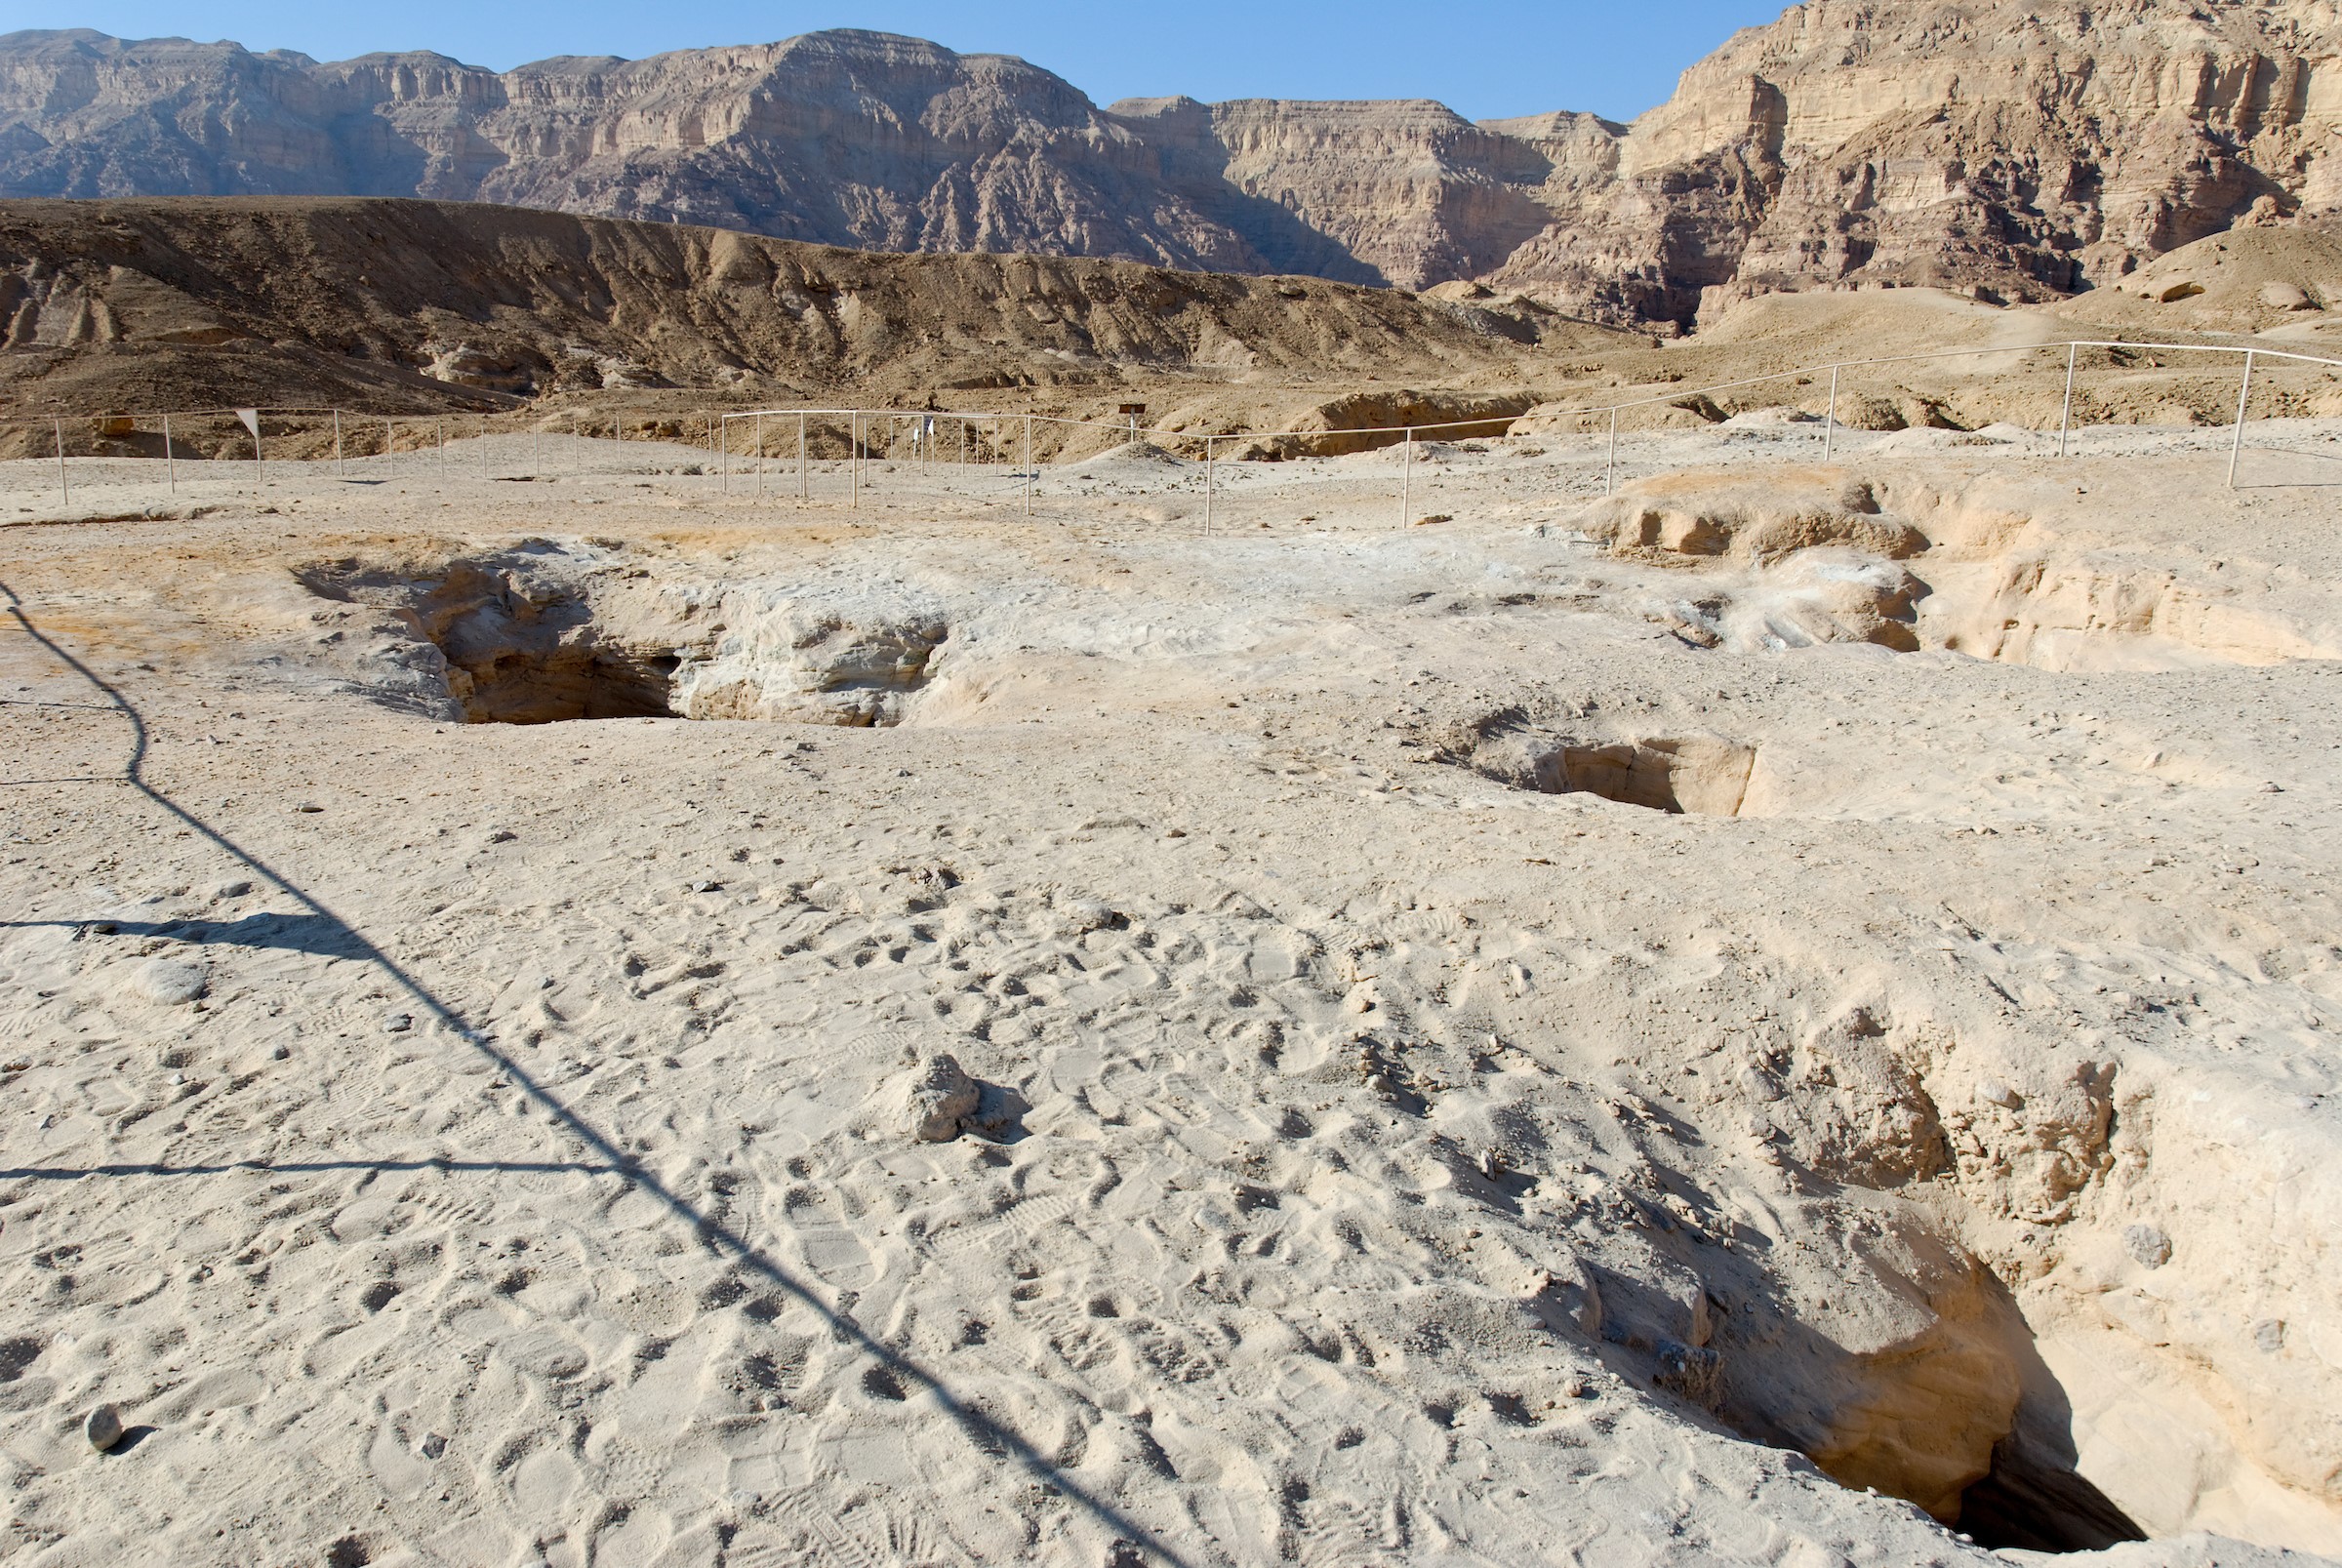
x=294, y=933
x=989, y=1436
x=75, y=1172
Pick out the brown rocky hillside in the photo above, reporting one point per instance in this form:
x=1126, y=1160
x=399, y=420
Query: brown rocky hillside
x=409, y=305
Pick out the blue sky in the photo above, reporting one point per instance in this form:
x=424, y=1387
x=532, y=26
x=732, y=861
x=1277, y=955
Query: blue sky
x=1486, y=59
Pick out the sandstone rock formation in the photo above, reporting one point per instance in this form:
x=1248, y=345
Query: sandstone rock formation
x=2027, y=149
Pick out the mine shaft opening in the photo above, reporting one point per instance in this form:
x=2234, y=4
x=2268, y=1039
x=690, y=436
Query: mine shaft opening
x=2033, y=1500
x=568, y=685
x=1700, y=776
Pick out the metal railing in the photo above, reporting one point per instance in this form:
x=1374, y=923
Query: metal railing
x=1407, y=434
x=348, y=430
x=993, y=434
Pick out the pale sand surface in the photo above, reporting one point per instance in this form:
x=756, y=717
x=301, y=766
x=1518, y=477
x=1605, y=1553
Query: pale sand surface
x=1371, y=1143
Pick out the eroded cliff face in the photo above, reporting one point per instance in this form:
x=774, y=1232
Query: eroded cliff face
x=2035, y=149
x=2026, y=148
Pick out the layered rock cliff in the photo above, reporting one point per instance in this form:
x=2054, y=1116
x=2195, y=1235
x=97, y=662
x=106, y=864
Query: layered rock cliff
x=2027, y=147
x=2031, y=146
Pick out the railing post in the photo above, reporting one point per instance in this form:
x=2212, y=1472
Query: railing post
x=854, y=438
x=1028, y=464
x=442, y=424
x=63, y=483
x=802, y=494
x=1610, y=473
x=536, y=452
x=341, y=468
x=1207, y=487
x=2235, y=443
x=577, y=447
x=760, y=451
x=2065, y=412
x=170, y=462
x=1830, y=419
x=725, y=465
x=1406, y=475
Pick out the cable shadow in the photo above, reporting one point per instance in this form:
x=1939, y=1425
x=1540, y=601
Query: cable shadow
x=76, y=1173
x=2265, y=453
x=292, y=933
x=985, y=1434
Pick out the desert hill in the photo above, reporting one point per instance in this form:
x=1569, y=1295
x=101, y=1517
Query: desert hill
x=411, y=306
x=407, y=305
x=2032, y=149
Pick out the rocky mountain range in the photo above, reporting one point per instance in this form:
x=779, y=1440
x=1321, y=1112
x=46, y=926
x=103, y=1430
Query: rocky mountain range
x=2023, y=148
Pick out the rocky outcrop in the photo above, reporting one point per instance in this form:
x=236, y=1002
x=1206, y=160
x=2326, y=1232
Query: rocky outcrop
x=2025, y=151
x=2028, y=149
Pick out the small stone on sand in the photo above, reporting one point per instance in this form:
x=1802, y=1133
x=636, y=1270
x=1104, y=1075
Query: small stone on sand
x=104, y=1429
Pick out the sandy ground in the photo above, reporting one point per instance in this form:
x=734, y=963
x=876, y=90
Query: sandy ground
x=475, y=1143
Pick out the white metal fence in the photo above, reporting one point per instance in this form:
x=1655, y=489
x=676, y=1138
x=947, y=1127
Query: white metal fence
x=988, y=456
x=929, y=424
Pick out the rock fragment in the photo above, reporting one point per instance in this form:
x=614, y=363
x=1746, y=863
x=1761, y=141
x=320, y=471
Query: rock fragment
x=1691, y=1373
x=168, y=982
x=1078, y=918
x=1993, y=1092
x=2149, y=1247
x=941, y=1098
